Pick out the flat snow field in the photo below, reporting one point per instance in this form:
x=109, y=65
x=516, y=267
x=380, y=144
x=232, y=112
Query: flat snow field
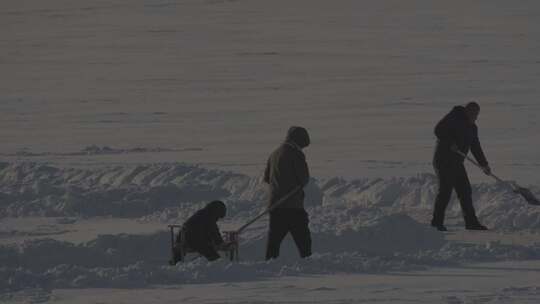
x=219, y=82
x=504, y=282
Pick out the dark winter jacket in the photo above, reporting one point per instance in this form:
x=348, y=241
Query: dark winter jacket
x=287, y=169
x=201, y=228
x=455, y=128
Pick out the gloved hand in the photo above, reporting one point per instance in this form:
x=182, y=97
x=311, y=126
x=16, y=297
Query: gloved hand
x=486, y=169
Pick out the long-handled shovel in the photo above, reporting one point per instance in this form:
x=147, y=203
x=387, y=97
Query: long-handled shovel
x=269, y=209
x=524, y=192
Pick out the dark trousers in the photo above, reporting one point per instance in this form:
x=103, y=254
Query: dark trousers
x=202, y=246
x=283, y=221
x=208, y=251
x=453, y=176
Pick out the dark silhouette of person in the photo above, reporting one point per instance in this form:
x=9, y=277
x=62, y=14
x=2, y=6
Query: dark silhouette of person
x=286, y=170
x=202, y=233
x=457, y=131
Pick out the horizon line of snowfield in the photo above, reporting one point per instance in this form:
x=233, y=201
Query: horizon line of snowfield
x=363, y=225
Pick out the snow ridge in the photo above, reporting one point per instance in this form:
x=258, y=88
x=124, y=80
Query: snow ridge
x=134, y=191
x=363, y=225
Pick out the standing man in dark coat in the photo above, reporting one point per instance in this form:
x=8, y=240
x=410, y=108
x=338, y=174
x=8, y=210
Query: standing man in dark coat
x=285, y=171
x=202, y=233
x=457, y=131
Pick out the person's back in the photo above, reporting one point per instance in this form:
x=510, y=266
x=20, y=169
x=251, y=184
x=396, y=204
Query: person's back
x=287, y=170
x=202, y=227
x=202, y=232
x=457, y=130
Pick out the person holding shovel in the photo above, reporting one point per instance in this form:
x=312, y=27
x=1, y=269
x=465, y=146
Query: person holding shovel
x=202, y=233
x=457, y=132
x=287, y=174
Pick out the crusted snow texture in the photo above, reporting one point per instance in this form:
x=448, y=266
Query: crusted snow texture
x=365, y=225
x=162, y=191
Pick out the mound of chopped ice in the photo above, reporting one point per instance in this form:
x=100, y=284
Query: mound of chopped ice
x=171, y=191
x=365, y=225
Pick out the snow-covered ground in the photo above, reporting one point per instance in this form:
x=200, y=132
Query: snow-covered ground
x=105, y=227
x=122, y=116
x=505, y=282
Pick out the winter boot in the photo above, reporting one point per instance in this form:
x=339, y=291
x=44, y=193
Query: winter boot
x=475, y=226
x=439, y=227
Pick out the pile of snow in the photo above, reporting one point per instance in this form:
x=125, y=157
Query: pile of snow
x=389, y=243
x=364, y=225
x=172, y=191
x=32, y=189
x=131, y=262
x=383, y=236
x=497, y=205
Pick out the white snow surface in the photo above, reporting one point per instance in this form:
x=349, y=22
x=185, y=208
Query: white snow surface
x=358, y=226
x=101, y=99
x=170, y=191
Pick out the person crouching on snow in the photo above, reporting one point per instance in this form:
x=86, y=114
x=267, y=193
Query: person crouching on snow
x=202, y=233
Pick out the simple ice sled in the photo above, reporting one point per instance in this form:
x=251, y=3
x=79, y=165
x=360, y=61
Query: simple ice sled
x=179, y=247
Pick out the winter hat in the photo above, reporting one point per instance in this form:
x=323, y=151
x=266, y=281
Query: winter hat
x=217, y=208
x=472, y=106
x=299, y=136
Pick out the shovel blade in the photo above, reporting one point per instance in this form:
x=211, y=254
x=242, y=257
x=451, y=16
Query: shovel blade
x=528, y=195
